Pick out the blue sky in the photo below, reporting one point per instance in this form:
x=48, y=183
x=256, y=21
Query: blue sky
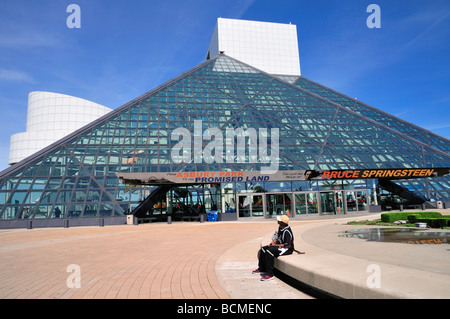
x=124, y=48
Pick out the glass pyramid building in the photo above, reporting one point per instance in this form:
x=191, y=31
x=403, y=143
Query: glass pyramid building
x=319, y=129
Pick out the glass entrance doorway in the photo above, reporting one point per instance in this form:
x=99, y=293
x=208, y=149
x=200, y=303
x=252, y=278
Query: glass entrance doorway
x=251, y=205
x=305, y=203
x=356, y=200
x=279, y=204
x=332, y=202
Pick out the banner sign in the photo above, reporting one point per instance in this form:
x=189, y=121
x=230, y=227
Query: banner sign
x=257, y=176
x=400, y=173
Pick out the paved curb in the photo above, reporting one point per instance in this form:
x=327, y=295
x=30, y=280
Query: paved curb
x=234, y=274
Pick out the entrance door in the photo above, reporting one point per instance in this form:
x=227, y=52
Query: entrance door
x=350, y=197
x=311, y=201
x=332, y=202
x=306, y=203
x=339, y=202
x=279, y=204
x=300, y=203
x=356, y=200
x=257, y=209
x=362, y=199
x=251, y=205
x=244, y=205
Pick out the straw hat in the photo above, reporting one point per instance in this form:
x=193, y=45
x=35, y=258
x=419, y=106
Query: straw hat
x=283, y=218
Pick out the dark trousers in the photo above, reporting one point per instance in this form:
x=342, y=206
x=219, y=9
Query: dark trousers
x=266, y=256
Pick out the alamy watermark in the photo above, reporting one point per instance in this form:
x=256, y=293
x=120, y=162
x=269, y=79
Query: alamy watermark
x=374, y=19
x=74, y=279
x=74, y=19
x=374, y=279
x=230, y=147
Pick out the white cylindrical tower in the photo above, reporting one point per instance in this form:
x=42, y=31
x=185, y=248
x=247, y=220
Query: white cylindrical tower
x=50, y=117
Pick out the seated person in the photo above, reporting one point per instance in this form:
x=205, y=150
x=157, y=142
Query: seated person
x=282, y=244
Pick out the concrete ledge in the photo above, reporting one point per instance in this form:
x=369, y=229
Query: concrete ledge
x=62, y=222
x=351, y=277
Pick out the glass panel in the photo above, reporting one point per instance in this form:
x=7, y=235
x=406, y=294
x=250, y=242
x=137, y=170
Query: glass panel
x=33, y=197
x=24, y=183
x=106, y=209
x=54, y=183
x=43, y=211
x=244, y=205
x=9, y=184
x=257, y=205
x=327, y=203
x=74, y=210
x=228, y=198
x=339, y=202
x=10, y=212
x=300, y=203
x=26, y=212
x=279, y=204
x=351, y=201
x=270, y=205
x=90, y=210
x=312, y=203
x=17, y=197
x=58, y=211
x=3, y=197
x=79, y=196
x=361, y=197
x=212, y=197
x=332, y=202
x=288, y=205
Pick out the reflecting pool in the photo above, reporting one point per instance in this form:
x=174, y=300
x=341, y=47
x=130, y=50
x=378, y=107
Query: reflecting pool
x=399, y=235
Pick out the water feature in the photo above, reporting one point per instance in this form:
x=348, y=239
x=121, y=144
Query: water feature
x=399, y=235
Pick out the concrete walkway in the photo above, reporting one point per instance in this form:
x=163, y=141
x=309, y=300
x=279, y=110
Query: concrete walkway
x=201, y=261
x=121, y=262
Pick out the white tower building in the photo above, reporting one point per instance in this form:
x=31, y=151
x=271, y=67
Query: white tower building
x=50, y=117
x=270, y=47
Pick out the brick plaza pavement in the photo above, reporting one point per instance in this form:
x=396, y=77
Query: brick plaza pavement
x=121, y=262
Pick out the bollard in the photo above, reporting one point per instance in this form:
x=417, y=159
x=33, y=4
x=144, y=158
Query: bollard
x=169, y=219
x=202, y=218
x=401, y=207
x=423, y=206
x=101, y=222
x=29, y=224
x=66, y=223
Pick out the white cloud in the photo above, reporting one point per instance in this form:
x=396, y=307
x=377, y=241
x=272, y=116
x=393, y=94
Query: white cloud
x=434, y=20
x=15, y=76
x=27, y=39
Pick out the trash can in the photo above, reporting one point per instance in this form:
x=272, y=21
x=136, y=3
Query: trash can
x=213, y=215
x=131, y=220
x=439, y=204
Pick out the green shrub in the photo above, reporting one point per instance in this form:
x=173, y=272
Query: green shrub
x=392, y=217
x=439, y=223
x=447, y=220
x=412, y=219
